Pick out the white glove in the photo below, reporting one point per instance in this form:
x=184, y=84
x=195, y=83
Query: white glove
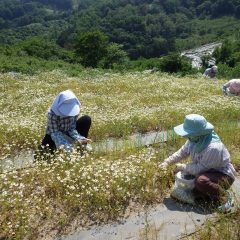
x=181, y=167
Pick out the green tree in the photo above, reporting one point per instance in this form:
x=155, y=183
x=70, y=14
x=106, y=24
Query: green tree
x=41, y=48
x=171, y=5
x=237, y=11
x=222, y=7
x=175, y=63
x=2, y=23
x=91, y=47
x=115, y=56
x=229, y=53
x=224, y=53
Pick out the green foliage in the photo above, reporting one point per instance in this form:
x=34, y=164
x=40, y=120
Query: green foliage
x=174, y=63
x=208, y=30
x=20, y=13
x=148, y=29
x=224, y=53
x=38, y=54
x=39, y=47
x=151, y=29
x=114, y=56
x=222, y=7
x=205, y=60
x=58, y=4
x=50, y=30
x=91, y=47
x=145, y=29
x=229, y=53
x=227, y=58
x=227, y=72
x=140, y=65
x=33, y=65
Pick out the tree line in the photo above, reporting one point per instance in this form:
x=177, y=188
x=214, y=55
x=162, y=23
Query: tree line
x=144, y=28
x=147, y=28
x=93, y=49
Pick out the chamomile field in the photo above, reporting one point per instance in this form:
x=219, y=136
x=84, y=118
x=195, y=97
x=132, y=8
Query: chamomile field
x=72, y=190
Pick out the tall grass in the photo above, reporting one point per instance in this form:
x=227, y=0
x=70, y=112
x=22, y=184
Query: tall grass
x=95, y=189
x=119, y=104
x=226, y=227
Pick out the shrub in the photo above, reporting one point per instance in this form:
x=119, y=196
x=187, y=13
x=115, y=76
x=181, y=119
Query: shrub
x=174, y=63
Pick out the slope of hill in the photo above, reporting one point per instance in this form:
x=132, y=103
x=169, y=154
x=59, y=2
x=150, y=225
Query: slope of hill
x=54, y=196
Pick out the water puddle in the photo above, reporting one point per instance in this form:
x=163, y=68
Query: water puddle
x=133, y=141
x=25, y=158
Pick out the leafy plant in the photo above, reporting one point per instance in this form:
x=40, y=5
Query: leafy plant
x=91, y=47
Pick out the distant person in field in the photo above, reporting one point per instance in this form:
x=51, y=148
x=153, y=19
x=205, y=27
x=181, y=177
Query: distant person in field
x=64, y=128
x=211, y=72
x=232, y=88
x=211, y=164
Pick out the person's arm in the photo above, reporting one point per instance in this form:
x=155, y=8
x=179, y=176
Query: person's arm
x=60, y=140
x=56, y=135
x=225, y=86
x=206, y=73
x=224, y=89
x=181, y=154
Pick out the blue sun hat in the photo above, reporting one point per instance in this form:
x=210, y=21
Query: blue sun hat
x=194, y=125
x=66, y=104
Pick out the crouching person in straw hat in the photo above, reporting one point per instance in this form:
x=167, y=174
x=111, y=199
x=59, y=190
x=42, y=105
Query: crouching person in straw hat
x=64, y=128
x=211, y=165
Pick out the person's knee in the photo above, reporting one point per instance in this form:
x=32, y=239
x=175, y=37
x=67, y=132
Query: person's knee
x=83, y=125
x=200, y=182
x=86, y=120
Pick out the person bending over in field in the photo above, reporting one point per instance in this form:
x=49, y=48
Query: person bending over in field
x=64, y=128
x=211, y=72
x=211, y=164
x=232, y=88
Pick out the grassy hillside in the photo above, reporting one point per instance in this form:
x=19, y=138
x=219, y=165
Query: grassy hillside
x=52, y=198
x=119, y=104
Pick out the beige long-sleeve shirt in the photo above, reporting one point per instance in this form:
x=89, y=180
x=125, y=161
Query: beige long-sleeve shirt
x=214, y=157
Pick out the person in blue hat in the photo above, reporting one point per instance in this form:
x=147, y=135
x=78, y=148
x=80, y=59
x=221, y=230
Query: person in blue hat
x=64, y=128
x=211, y=164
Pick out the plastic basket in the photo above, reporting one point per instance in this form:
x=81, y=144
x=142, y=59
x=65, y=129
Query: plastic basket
x=184, y=180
